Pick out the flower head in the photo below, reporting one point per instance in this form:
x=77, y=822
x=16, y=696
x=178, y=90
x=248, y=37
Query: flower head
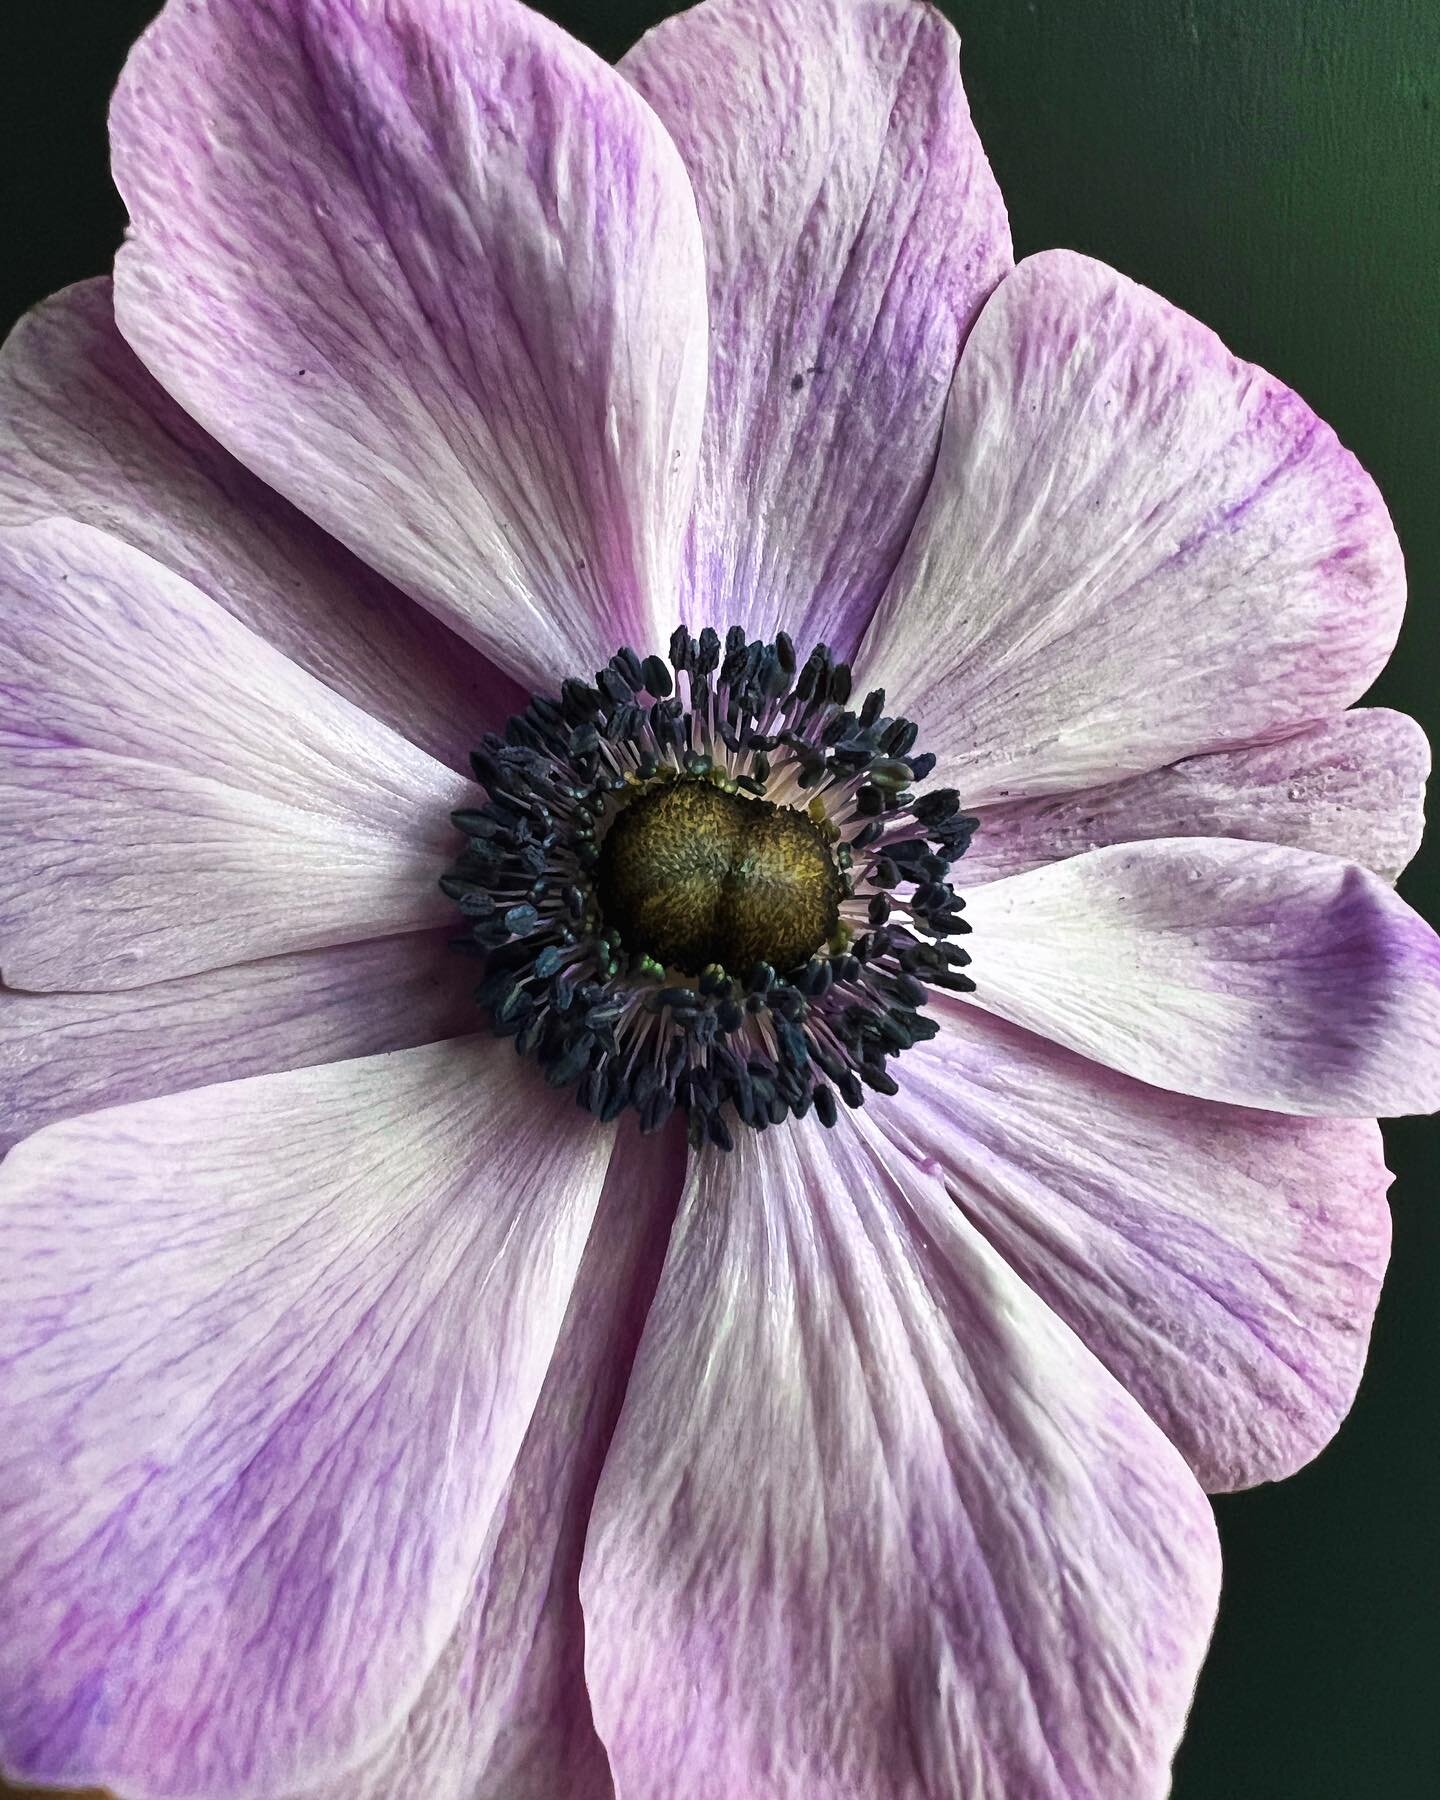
x=619, y=561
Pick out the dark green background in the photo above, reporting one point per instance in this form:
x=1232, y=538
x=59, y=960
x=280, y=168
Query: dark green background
x=1273, y=166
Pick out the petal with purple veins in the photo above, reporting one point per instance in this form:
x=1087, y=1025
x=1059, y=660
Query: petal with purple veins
x=177, y=795
x=1246, y=973
x=87, y=433
x=874, y=1522
x=852, y=231
x=65, y=1054
x=434, y=272
x=269, y=1353
x=1223, y=1264
x=1136, y=548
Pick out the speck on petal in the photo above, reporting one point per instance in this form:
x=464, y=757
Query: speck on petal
x=433, y=271
x=874, y=1523
x=175, y=795
x=1247, y=973
x=1135, y=548
x=87, y=433
x=268, y=1355
x=1223, y=1264
x=852, y=231
x=1351, y=786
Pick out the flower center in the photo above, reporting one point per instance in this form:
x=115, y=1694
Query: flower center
x=732, y=900
x=694, y=876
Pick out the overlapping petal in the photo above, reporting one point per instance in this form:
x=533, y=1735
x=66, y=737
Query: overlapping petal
x=87, y=434
x=1352, y=786
x=1247, y=973
x=852, y=231
x=262, y=1395
x=434, y=272
x=65, y=1054
x=1136, y=548
x=874, y=1523
x=1223, y=1264
x=177, y=796
x=505, y=1714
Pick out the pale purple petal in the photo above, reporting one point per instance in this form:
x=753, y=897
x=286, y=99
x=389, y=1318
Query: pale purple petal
x=1136, y=548
x=505, y=1714
x=65, y=1054
x=1246, y=973
x=434, y=272
x=852, y=230
x=270, y=1350
x=1353, y=786
x=1223, y=1264
x=85, y=432
x=874, y=1522
x=177, y=796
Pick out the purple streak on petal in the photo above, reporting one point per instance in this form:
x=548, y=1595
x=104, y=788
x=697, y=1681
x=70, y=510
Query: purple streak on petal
x=1136, y=548
x=269, y=1353
x=433, y=271
x=87, y=433
x=874, y=1523
x=853, y=229
x=1245, y=973
x=1223, y=1264
x=1352, y=786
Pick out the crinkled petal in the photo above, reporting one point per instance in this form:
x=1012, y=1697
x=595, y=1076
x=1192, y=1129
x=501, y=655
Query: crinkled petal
x=85, y=432
x=1136, y=548
x=852, y=229
x=874, y=1523
x=269, y=1353
x=1247, y=973
x=505, y=1714
x=1353, y=786
x=175, y=795
x=1223, y=1264
x=433, y=271
x=66, y=1054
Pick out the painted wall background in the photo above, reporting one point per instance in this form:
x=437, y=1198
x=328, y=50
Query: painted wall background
x=1273, y=166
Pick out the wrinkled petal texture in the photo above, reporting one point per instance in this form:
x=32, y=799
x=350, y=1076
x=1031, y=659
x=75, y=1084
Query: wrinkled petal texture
x=177, y=796
x=505, y=1714
x=86, y=433
x=433, y=271
x=1247, y=973
x=1353, y=786
x=1223, y=1264
x=66, y=1054
x=261, y=1399
x=1136, y=548
x=875, y=1526
x=852, y=231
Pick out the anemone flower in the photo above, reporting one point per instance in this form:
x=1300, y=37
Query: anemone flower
x=891, y=675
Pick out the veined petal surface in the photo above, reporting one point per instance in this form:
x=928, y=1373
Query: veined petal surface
x=505, y=1714
x=177, y=796
x=1247, y=973
x=1351, y=786
x=87, y=433
x=1136, y=548
x=269, y=1353
x=1224, y=1264
x=852, y=230
x=875, y=1526
x=66, y=1054
x=433, y=271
